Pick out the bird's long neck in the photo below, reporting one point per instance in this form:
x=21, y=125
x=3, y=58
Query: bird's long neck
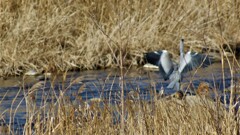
x=181, y=49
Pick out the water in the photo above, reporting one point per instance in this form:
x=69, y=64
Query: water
x=104, y=84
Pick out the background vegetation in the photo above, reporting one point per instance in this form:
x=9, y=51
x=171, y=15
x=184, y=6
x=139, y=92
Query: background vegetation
x=63, y=35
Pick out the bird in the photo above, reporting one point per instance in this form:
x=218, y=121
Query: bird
x=173, y=71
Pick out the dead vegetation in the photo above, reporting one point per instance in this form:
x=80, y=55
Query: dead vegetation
x=56, y=36
x=65, y=35
x=164, y=116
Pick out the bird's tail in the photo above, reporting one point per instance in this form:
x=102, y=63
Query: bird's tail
x=175, y=78
x=174, y=85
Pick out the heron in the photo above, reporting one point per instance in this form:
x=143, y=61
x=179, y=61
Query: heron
x=174, y=71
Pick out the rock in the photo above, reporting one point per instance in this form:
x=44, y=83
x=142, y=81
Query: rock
x=204, y=89
x=178, y=95
x=133, y=95
x=32, y=73
x=149, y=66
x=44, y=77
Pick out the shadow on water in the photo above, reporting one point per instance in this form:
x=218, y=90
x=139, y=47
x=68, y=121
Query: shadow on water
x=103, y=84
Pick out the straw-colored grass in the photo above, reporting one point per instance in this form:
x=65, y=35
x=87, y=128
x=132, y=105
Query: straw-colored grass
x=64, y=35
x=164, y=116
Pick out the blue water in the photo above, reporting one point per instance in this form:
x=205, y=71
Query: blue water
x=104, y=84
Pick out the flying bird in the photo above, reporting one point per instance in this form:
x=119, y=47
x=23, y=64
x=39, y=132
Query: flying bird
x=174, y=71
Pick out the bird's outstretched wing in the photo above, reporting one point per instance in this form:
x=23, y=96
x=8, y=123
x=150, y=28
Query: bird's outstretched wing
x=193, y=60
x=162, y=60
x=153, y=57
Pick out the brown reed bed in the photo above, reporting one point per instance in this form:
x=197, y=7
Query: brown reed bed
x=56, y=36
x=65, y=35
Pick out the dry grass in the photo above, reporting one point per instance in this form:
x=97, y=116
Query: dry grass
x=164, y=116
x=65, y=35
x=61, y=35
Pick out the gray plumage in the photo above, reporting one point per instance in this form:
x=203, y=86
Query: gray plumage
x=173, y=72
